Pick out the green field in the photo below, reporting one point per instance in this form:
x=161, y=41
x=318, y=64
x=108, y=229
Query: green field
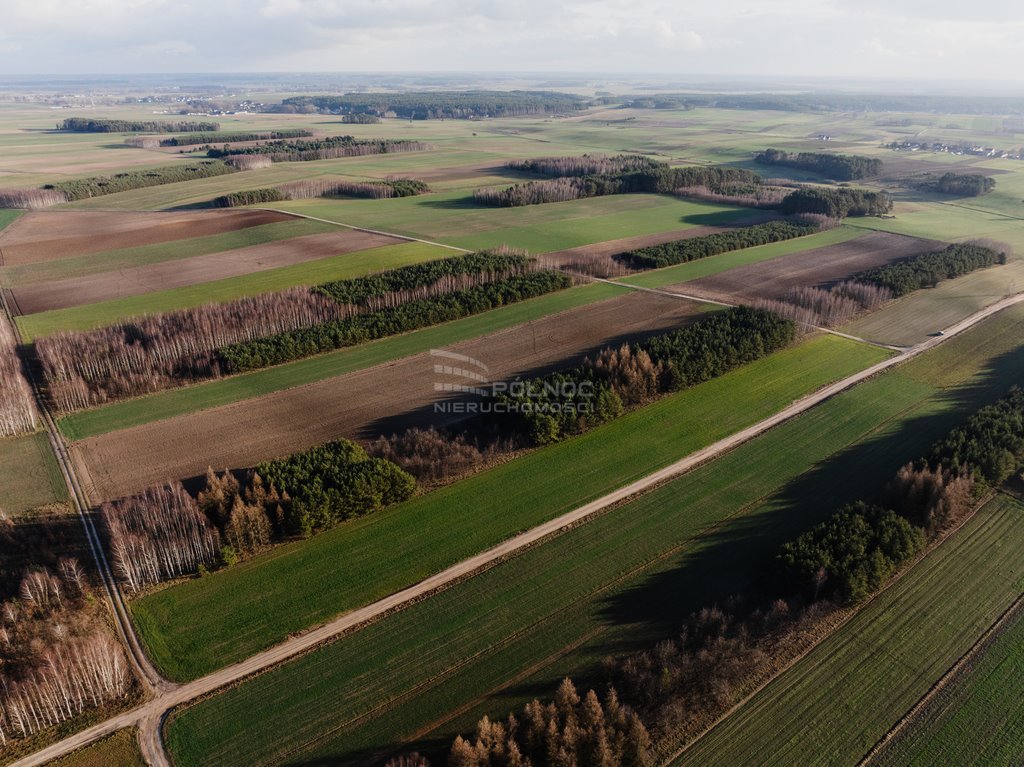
x=121, y=415
x=251, y=606
x=838, y=701
x=453, y=218
x=31, y=477
x=8, y=216
x=705, y=267
x=334, y=268
x=952, y=221
x=117, y=750
x=621, y=581
x=96, y=263
x=911, y=319
x=977, y=720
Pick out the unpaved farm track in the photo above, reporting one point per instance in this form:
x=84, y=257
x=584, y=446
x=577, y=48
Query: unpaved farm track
x=134, y=281
x=150, y=715
x=48, y=235
x=821, y=266
x=381, y=399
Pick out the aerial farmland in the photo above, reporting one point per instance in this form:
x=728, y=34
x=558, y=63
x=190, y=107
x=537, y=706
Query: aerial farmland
x=509, y=426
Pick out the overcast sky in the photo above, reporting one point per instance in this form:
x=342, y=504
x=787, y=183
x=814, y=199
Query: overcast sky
x=849, y=38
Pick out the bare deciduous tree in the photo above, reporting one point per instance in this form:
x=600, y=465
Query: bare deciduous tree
x=149, y=353
x=158, y=535
x=31, y=198
x=18, y=413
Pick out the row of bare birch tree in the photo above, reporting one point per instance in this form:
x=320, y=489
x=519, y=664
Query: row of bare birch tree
x=18, y=414
x=57, y=659
x=31, y=198
x=816, y=306
x=84, y=368
x=74, y=676
x=159, y=535
x=148, y=354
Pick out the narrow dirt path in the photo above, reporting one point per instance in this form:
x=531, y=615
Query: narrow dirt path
x=150, y=715
x=152, y=682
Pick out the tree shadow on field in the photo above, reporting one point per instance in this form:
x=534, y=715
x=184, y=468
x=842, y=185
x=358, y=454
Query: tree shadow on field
x=734, y=558
x=459, y=203
x=435, y=750
x=204, y=205
x=443, y=410
x=731, y=558
x=724, y=217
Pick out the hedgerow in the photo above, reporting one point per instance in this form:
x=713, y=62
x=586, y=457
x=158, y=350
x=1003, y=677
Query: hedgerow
x=94, y=125
x=96, y=186
x=321, y=148
x=193, y=139
x=402, y=318
x=928, y=269
x=681, y=251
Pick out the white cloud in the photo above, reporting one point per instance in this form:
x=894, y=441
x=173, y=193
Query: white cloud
x=905, y=38
x=165, y=48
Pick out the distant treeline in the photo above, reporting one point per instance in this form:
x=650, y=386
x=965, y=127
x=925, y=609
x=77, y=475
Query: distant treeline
x=360, y=119
x=958, y=184
x=96, y=186
x=321, y=148
x=91, y=125
x=836, y=202
x=842, y=167
x=586, y=165
x=928, y=269
x=681, y=251
x=435, y=105
x=302, y=190
x=826, y=102
x=192, y=139
x=574, y=178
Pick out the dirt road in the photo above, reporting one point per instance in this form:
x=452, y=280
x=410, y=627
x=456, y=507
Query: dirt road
x=149, y=715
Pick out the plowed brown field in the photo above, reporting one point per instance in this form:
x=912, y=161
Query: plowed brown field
x=364, y=404
x=135, y=281
x=820, y=266
x=46, y=235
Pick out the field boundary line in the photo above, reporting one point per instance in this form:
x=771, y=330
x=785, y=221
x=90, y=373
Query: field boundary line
x=405, y=237
x=647, y=564
x=150, y=679
x=151, y=714
x=953, y=674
